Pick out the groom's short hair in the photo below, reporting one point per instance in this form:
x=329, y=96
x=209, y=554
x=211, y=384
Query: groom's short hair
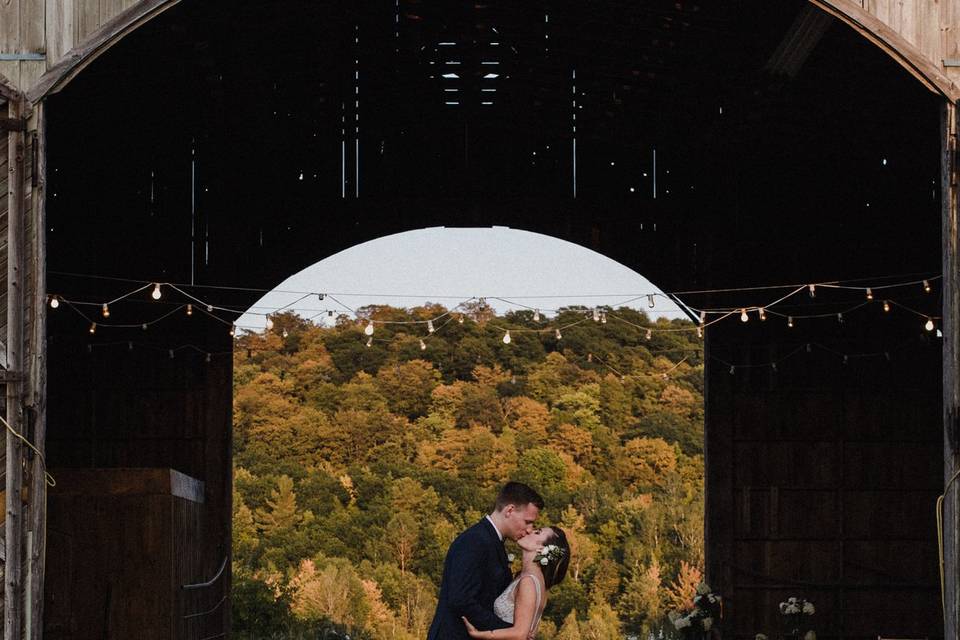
x=519, y=494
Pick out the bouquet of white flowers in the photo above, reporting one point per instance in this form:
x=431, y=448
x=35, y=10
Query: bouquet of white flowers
x=704, y=618
x=794, y=610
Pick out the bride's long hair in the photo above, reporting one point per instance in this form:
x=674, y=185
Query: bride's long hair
x=556, y=569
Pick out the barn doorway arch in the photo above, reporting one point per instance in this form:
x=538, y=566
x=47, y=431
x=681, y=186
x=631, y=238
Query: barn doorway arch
x=795, y=180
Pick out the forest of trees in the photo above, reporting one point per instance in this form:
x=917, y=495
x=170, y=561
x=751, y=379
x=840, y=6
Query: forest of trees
x=358, y=459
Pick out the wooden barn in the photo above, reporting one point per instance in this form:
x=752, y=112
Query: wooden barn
x=707, y=145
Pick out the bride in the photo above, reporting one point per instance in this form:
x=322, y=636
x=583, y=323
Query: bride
x=546, y=555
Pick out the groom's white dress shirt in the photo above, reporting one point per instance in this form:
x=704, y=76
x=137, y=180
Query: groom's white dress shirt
x=499, y=535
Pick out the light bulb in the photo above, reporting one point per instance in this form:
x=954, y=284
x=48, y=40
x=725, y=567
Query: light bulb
x=596, y=314
x=536, y=316
x=559, y=335
x=269, y=323
x=506, y=338
x=233, y=329
x=743, y=315
x=370, y=341
x=840, y=318
x=929, y=325
x=93, y=327
x=773, y=365
x=423, y=345
x=763, y=313
x=886, y=306
x=189, y=309
x=208, y=357
x=144, y=326
x=330, y=313
x=699, y=332
x=460, y=319
x=812, y=288
x=129, y=345
x=209, y=308
x=430, y=326
x=926, y=286
x=650, y=302
x=156, y=292
x=869, y=293
x=939, y=333
x=54, y=302
x=285, y=334
x=106, y=310
x=321, y=296
x=603, y=317
x=171, y=353
x=732, y=369
x=369, y=328
x=649, y=334
x=846, y=359
x=703, y=317
x=790, y=321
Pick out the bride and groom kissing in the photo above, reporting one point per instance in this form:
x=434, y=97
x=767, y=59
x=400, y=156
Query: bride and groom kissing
x=479, y=598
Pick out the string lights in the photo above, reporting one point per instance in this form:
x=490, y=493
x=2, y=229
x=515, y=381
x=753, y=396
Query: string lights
x=707, y=316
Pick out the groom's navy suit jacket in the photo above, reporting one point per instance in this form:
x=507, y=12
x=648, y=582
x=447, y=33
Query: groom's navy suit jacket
x=475, y=572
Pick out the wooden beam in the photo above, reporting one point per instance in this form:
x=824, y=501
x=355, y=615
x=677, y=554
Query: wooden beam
x=951, y=365
x=881, y=34
x=13, y=583
x=112, y=31
x=36, y=380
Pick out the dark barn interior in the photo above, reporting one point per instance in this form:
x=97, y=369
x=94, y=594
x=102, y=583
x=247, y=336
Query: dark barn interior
x=705, y=145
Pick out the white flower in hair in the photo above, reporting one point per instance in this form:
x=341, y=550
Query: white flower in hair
x=548, y=553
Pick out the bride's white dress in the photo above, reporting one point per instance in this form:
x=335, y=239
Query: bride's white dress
x=504, y=605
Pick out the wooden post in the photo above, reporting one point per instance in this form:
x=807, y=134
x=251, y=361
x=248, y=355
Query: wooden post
x=951, y=364
x=951, y=368
x=37, y=378
x=13, y=587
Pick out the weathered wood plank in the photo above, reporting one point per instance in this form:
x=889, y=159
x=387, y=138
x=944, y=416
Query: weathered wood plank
x=60, y=32
x=951, y=365
x=36, y=391
x=88, y=18
x=10, y=11
x=13, y=575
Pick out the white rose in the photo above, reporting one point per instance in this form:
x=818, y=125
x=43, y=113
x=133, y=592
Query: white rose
x=808, y=608
x=783, y=607
x=511, y=557
x=712, y=598
x=707, y=623
x=544, y=561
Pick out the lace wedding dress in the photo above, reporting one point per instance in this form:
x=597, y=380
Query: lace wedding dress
x=504, y=605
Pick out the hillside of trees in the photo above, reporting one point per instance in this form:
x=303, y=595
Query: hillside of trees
x=356, y=465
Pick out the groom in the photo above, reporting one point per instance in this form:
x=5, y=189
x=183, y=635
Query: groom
x=476, y=570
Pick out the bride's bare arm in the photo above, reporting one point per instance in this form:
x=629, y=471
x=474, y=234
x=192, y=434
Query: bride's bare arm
x=525, y=608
